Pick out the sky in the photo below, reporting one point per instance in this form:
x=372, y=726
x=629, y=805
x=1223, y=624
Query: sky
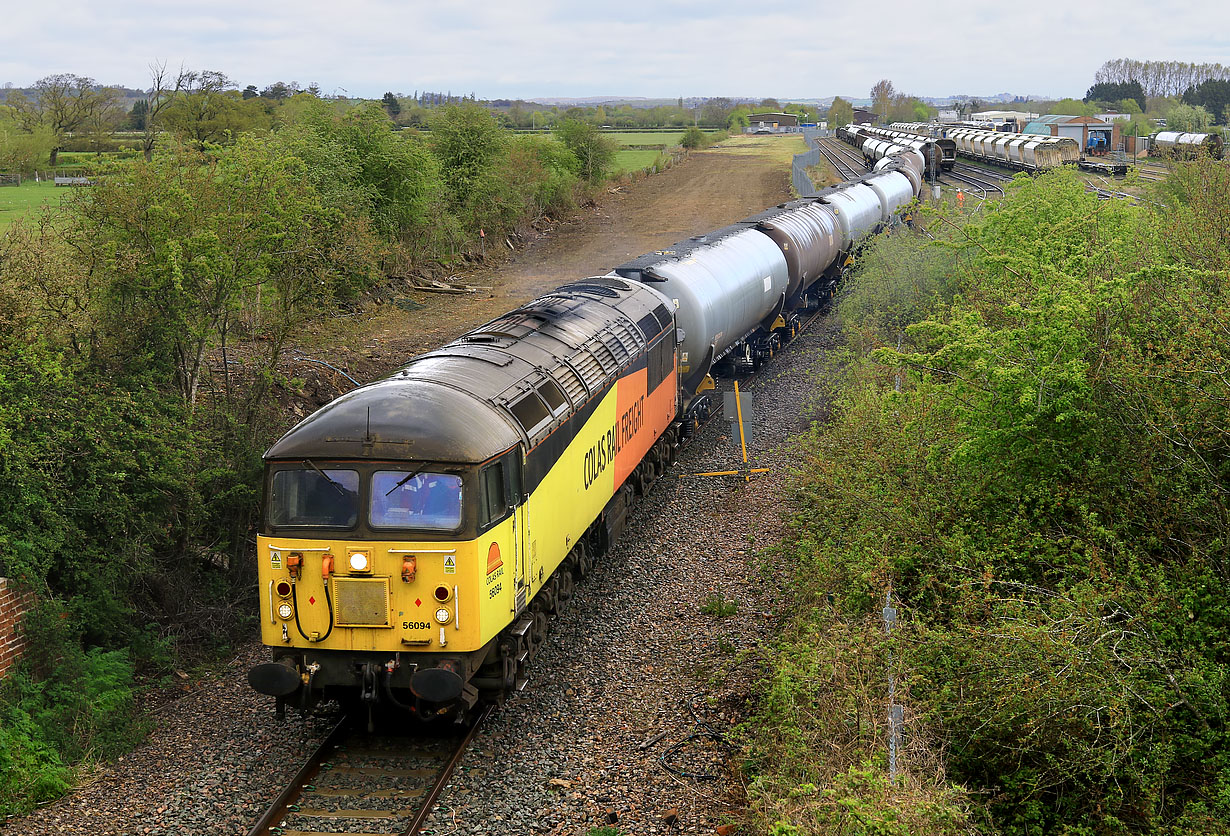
x=649, y=48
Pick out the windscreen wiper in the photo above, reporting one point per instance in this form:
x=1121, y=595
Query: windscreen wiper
x=337, y=486
x=409, y=476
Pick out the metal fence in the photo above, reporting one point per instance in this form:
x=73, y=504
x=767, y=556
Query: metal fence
x=798, y=172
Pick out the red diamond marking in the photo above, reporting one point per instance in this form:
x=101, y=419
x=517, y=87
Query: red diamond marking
x=417, y=602
x=312, y=600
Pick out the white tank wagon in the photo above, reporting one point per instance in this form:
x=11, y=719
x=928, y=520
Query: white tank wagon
x=908, y=162
x=875, y=149
x=725, y=286
x=940, y=151
x=1176, y=144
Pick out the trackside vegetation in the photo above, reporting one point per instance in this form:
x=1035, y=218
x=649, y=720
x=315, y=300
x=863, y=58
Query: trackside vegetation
x=1027, y=446
x=143, y=323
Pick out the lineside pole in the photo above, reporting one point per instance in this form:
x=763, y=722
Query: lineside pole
x=747, y=477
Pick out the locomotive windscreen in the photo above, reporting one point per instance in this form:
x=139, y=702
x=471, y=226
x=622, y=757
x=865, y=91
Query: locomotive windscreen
x=315, y=497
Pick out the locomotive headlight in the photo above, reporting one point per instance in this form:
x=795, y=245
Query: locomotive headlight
x=443, y=615
x=284, y=610
x=358, y=562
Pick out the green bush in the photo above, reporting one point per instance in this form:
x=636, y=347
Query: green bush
x=61, y=705
x=694, y=138
x=1036, y=466
x=594, y=152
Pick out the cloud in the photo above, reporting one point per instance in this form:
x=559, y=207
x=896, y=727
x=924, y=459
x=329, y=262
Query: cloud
x=657, y=48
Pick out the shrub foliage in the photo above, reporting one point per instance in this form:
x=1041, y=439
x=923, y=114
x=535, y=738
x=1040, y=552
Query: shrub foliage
x=1030, y=451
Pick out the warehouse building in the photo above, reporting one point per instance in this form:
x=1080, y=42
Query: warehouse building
x=1104, y=134
x=772, y=123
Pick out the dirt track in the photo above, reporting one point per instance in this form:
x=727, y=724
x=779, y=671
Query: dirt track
x=708, y=190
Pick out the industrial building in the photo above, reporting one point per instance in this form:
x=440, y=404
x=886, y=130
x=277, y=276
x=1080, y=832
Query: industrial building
x=1105, y=134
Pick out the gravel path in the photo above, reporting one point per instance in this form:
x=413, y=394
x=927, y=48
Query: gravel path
x=638, y=658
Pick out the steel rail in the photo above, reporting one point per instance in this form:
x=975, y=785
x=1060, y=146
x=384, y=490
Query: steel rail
x=967, y=169
x=429, y=801
x=848, y=151
x=843, y=170
x=294, y=789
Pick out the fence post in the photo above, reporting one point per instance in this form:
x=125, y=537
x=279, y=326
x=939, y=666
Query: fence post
x=895, y=712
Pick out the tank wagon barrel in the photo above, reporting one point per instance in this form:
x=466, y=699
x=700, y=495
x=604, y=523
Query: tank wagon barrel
x=941, y=151
x=724, y=286
x=1175, y=143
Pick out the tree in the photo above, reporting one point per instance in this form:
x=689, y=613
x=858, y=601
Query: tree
x=841, y=112
x=1160, y=78
x=1109, y=92
x=181, y=248
x=391, y=105
x=594, y=152
x=63, y=103
x=467, y=142
x=162, y=92
x=280, y=90
x=250, y=92
x=137, y=115
x=1073, y=107
x=693, y=138
x=1184, y=117
x=203, y=107
x=907, y=108
x=882, y=97
x=357, y=162
x=104, y=118
x=716, y=112
x=21, y=150
x=1213, y=95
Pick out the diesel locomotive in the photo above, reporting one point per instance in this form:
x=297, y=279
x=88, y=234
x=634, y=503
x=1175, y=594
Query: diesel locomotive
x=419, y=530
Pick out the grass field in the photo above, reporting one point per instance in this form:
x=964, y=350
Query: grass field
x=18, y=201
x=781, y=148
x=626, y=161
x=659, y=139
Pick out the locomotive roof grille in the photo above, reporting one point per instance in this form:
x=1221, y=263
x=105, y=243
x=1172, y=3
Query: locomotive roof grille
x=515, y=378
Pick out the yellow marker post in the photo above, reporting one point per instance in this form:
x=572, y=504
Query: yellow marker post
x=742, y=440
x=746, y=472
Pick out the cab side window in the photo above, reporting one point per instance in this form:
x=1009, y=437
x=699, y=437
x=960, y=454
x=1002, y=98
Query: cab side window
x=501, y=488
x=494, y=502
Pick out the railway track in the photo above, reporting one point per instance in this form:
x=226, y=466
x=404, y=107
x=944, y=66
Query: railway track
x=1152, y=173
x=835, y=152
x=982, y=182
x=365, y=784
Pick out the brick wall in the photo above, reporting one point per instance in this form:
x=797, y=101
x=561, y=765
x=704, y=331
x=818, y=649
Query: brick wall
x=13, y=605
